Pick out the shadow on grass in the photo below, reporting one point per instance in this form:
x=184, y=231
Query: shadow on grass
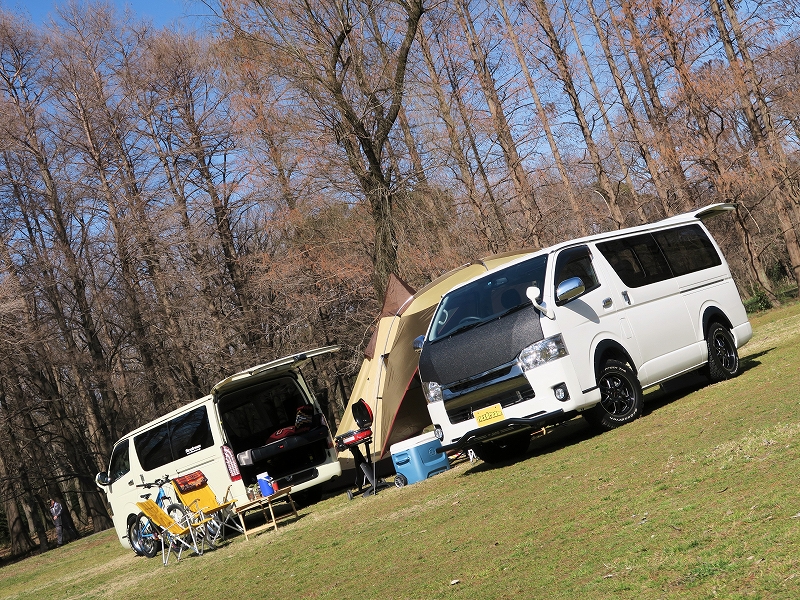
x=577, y=430
x=677, y=388
x=560, y=436
x=749, y=361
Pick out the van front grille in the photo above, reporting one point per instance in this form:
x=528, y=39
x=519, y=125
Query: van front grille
x=508, y=397
x=481, y=380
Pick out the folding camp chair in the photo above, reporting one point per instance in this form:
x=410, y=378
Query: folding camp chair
x=194, y=492
x=174, y=536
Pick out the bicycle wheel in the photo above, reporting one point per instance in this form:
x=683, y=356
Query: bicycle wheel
x=178, y=512
x=146, y=536
x=133, y=537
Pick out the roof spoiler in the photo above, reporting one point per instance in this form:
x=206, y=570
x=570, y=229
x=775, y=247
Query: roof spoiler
x=712, y=210
x=701, y=214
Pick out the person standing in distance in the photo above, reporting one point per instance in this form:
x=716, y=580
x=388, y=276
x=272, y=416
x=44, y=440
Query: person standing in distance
x=55, y=510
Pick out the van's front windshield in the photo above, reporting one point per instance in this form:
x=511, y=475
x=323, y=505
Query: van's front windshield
x=488, y=298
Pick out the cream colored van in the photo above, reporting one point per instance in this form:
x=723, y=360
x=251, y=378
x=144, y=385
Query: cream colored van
x=248, y=425
x=579, y=328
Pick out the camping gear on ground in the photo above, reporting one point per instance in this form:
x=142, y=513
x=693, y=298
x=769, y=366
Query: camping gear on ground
x=266, y=506
x=417, y=458
x=175, y=537
x=194, y=492
x=365, y=468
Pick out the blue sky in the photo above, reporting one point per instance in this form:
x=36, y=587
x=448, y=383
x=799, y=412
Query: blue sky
x=161, y=12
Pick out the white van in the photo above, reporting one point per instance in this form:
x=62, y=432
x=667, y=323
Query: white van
x=248, y=425
x=580, y=327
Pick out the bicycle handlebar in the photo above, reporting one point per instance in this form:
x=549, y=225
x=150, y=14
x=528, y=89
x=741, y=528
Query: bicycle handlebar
x=157, y=482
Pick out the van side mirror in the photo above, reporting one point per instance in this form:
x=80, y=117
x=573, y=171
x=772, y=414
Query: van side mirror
x=533, y=293
x=101, y=479
x=569, y=289
x=418, y=342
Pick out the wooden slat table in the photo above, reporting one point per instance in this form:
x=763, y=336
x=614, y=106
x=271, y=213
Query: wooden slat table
x=264, y=504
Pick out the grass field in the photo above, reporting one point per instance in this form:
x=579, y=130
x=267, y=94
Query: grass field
x=697, y=499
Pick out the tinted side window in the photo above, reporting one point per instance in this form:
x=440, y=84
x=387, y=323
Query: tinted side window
x=190, y=433
x=687, y=249
x=637, y=260
x=183, y=435
x=576, y=262
x=120, y=461
x=152, y=447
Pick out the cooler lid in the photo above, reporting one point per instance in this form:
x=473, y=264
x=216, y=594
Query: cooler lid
x=413, y=442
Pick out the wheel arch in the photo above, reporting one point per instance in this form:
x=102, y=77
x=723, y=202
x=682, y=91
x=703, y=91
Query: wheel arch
x=714, y=314
x=611, y=349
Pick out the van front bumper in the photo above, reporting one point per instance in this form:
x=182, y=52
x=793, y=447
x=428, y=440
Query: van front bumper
x=504, y=428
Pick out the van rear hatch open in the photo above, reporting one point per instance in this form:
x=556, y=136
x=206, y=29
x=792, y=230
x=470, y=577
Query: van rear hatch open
x=271, y=421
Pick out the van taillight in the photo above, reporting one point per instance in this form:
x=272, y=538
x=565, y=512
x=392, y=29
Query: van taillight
x=230, y=462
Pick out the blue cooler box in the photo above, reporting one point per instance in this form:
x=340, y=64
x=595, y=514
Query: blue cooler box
x=265, y=484
x=416, y=459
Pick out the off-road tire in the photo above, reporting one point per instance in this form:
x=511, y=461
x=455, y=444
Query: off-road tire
x=723, y=358
x=621, y=397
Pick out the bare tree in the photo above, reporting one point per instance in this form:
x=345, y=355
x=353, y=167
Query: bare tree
x=329, y=54
x=603, y=27
x=700, y=115
x=458, y=154
x=758, y=118
x=599, y=99
x=544, y=120
x=480, y=60
x=565, y=75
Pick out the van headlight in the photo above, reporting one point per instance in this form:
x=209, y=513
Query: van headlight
x=541, y=352
x=433, y=391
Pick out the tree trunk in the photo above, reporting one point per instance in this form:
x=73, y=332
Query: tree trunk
x=458, y=154
x=711, y=159
x=777, y=185
x=642, y=142
x=490, y=219
x=640, y=216
x=565, y=76
x=519, y=177
x=21, y=542
x=572, y=199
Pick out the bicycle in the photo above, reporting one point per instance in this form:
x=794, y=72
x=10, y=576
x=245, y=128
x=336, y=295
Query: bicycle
x=142, y=534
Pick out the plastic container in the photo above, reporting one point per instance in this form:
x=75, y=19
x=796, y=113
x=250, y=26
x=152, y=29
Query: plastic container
x=265, y=484
x=416, y=459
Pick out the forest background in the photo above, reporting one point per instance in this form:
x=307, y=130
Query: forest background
x=177, y=205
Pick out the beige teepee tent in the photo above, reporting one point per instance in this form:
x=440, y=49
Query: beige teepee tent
x=387, y=380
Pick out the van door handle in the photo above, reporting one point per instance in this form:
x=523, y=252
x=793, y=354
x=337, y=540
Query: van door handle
x=607, y=303
x=626, y=297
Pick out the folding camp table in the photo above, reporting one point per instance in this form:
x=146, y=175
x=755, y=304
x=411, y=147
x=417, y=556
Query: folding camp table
x=263, y=504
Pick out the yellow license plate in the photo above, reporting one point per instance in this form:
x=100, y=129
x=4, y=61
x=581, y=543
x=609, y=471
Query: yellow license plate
x=490, y=414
